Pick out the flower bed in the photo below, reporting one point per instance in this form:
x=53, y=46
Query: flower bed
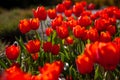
x=75, y=44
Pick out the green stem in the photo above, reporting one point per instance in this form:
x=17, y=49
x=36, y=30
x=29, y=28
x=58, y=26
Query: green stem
x=19, y=58
x=30, y=69
x=50, y=57
x=81, y=45
x=42, y=30
x=9, y=61
x=37, y=35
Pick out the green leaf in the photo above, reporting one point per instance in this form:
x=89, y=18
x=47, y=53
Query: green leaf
x=74, y=74
x=53, y=37
x=70, y=70
x=66, y=54
x=72, y=55
x=37, y=35
x=8, y=61
x=20, y=42
x=19, y=58
x=3, y=64
x=49, y=38
x=97, y=75
x=62, y=56
x=50, y=56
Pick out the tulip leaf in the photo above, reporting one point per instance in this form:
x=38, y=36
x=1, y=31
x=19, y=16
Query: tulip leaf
x=97, y=73
x=66, y=54
x=53, y=37
x=70, y=70
x=62, y=56
x=3, y=64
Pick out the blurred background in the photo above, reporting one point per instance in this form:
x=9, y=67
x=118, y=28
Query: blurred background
x=27, y=3
x=11, y=11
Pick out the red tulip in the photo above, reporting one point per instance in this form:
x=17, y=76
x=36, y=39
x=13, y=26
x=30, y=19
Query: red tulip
x=65, y=24
x=33, y=46
x=35, y=56
x=69, y=40
x=79, y=32
x=62, y=32
x=91, y=50
x=60, y=8
x=111, y=29
x=55, y=49
x=112, y=21
x=108, y=55
x=67, y=3
x=83, y=3
x=86, y=13
x=50, y=71
x=117, y=14
x=84, y=21
x=48, y=31
x=101, y=24
x=94, y=16
x=72, y=23
x=47, y=46
x=84, y=64
x=56, y=22
x=105, y=37
x=111, y=10
x=93, y=34
x=68, y=13
x=34, y=23
x=78, y=9
x=24, y=26
x=117, y=41
x=15, y=73
x=51, y=13
x=104, y=15
x=12, y=52
x=40, y=13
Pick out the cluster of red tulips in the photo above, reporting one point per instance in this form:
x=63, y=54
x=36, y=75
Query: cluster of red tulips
x=47, y=72
x=76, y=44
